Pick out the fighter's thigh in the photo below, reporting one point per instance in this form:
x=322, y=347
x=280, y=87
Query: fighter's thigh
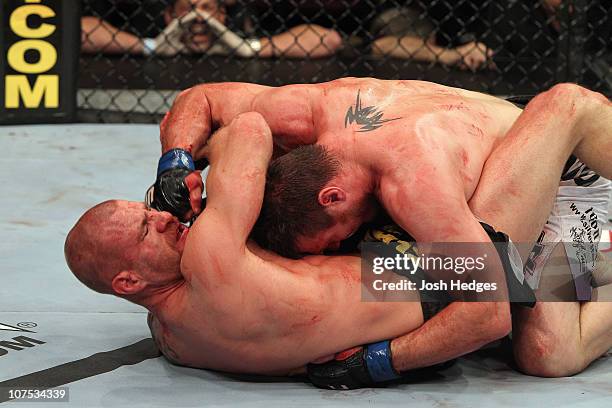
x=519, y=179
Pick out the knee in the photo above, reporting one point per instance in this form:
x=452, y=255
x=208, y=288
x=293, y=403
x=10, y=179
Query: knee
x=541, y=357
x=565, y=101
x=569, y=92
x=567, y=89
x=547, y=369
x=560, y=96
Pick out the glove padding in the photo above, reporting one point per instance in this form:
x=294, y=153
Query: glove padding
x=368, y=366
x=363, y=367
x=170, y=193
x=347, y=373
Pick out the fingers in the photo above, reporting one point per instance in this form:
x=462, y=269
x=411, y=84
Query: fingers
x=474, y=56
x=168, y=42
x=475, y=60
x=195, y=186
x=347, y=353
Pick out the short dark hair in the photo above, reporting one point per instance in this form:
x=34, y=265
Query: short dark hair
x=291, y=207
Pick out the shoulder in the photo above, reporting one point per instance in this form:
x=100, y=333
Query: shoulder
x=211, y=245
x=293, y=95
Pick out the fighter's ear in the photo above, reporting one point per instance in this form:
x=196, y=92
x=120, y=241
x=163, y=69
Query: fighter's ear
x=331, y=195
x=128, y=283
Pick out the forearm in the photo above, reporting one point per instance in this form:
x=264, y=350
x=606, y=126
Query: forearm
x=239, y=153
x=200, y=110
x=457, y=330
x=188, y=124
x=98, y=35
x=246, y=143
x=413, y=47
x=301, y=41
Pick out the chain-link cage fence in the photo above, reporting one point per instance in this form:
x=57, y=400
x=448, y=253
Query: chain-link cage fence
x=136, y=55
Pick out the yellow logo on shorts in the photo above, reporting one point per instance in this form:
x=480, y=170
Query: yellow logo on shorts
x=392, y=234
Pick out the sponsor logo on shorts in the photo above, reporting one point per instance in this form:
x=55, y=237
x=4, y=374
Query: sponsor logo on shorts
x=579, y=173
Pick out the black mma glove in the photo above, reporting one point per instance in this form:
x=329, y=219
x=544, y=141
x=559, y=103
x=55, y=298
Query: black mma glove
x=170, y=193
x=367, y=366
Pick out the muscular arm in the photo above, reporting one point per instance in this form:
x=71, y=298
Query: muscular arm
x=461, y=327
x=302, y=41
x=473, y=54
x=200, y=110
x=98, y=35
x=239, y=155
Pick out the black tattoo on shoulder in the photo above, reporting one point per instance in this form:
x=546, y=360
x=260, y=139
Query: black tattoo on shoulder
x=369, y=117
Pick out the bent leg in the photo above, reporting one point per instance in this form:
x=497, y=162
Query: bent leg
x=557, y=339
x=520, y=178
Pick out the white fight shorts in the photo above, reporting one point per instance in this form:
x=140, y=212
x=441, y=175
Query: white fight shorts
x=576, y=220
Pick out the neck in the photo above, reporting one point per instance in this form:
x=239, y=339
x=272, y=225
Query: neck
x=155, y=298
x=357, y=176
x=358, y=169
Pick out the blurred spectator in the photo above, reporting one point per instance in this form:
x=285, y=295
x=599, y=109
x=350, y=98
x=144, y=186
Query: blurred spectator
x=216, y=28
x=410, y=33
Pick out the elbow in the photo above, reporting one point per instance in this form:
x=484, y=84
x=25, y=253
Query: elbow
x=495, y=321
x=254, y=121
x=254, y=124
x=500, y=324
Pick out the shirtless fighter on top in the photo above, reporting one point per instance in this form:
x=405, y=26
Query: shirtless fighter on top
x=308, y=308
x=420, y=149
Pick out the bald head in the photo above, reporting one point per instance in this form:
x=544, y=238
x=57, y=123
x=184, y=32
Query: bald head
x=91, y=252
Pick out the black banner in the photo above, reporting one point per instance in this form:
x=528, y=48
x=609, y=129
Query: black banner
x=38, y=67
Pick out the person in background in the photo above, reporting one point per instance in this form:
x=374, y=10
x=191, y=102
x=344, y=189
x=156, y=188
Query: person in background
x=195, y=27
x=409, y=32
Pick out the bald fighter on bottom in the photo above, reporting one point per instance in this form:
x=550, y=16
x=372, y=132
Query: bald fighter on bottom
x=216, y=299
